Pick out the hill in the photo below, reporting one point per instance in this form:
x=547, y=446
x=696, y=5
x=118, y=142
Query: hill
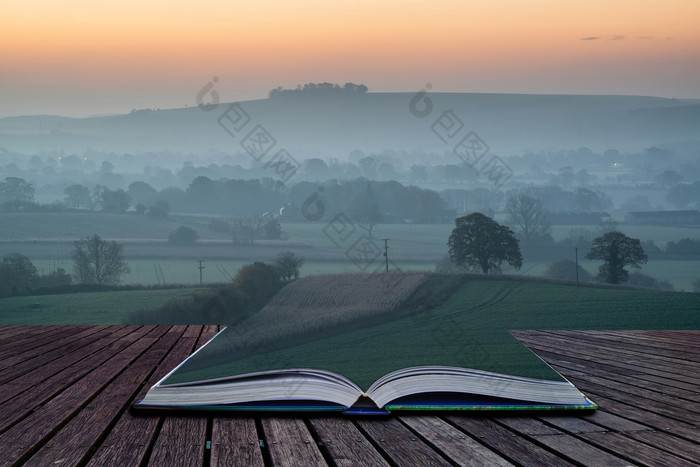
x=505, y=302
x=324, y=126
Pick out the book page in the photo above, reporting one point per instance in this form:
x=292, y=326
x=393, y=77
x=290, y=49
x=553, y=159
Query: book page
x=366, y=350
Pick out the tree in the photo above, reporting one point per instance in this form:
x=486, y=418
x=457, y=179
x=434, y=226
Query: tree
x=617, y=250
x=258, y=281
x=160, y=210
x=365, y=209
x=17, y=273
x=142, y=192
x=528, y=215
x=16, y=189
x=683, y=195
x=57, y=278
x=77, y=196
x=288, y=265
x=97, y=195
x=479, y=242
x=97, y=261
x=115, y=200
x=589, y=200
x=183, y=236
x=16, y=194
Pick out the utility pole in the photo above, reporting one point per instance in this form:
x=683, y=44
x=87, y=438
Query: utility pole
x=200, y=272
x=576, y=249
x=386, y=253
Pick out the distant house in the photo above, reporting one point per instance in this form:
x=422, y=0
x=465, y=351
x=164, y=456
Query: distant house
x=663, y=217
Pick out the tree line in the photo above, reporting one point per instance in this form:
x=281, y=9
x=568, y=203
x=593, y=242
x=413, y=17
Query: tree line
x=478, y=243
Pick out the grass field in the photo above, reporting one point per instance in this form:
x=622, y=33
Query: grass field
x=46, y=238
x=469, y=330
x=83, y=308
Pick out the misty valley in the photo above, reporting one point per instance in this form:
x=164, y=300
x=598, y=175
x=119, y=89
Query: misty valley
x=347, y=182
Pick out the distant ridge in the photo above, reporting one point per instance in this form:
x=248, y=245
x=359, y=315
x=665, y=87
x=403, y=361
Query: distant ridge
x=333, y=126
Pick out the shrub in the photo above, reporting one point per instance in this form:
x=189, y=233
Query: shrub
x=224, y=305
x=160, y=210
x=638, y=279
x=258, y=281
x=57, y=278
x=566, y=269
x=183, y=236
x=445, y=265
x=288, y=265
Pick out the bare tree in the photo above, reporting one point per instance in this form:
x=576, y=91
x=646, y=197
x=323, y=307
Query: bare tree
x=288, y=265
x=366, y=211
x=527, y=214
x=97, y=261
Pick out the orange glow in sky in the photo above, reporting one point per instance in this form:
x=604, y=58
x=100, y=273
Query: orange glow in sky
x=77, y=57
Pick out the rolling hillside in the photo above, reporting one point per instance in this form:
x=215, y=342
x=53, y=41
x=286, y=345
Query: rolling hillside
x=315, y=126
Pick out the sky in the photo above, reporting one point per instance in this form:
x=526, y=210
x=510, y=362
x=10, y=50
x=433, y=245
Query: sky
x=80, y=58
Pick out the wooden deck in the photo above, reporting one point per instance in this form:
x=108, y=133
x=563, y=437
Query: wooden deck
x=65, y=393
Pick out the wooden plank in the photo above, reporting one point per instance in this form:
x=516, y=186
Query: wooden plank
x=34, y=357
x=570, y=350
x=22, y=438
x=181, y=442
x=35, y=395
x=579, y=451
x=564, y=445
x=650, y=419
x=208, y=332
x=514, y=447
x=527, y=426
x=186, y=432
x=235, y=441
x=29, y=381
x=594, y=352
x=398, y=443
x=27, y=344
x=613, y=422
x=669, y=443
x=132, y=437
x=684, y=341
x=605, y=375
x=345, y=444
x=672, y=409
x=631, y=342
x=74, y=442
x=192, y=331
x=10, y=336
x=290, y=443
x=24, y=337
x=571, y=424
x=631, y=384
x=452, y=443
x=634, y=450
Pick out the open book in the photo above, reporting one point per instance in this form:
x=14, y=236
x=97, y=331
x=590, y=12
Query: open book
x=429, y=362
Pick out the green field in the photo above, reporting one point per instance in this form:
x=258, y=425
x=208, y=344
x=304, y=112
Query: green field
x=46, y=238
x=469, y=329
x=84, y=308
